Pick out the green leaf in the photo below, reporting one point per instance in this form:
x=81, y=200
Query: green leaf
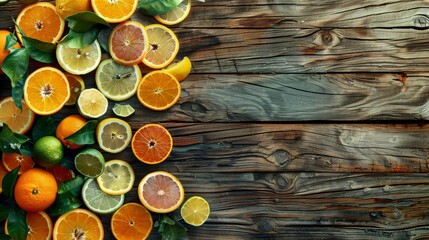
x=44, y=126
x=17, y=223
x=72, y=186
x=18, y=91
x=11, y=40
x=80, y=40
x=64, y=203
x=9, y=181
x=85, y=135
x=103, y=39
x=11, y=142
x=83, y=21
x=170, y=229
x=4, y=212
x=15, y=65
x=39, y=50
x=157, y=7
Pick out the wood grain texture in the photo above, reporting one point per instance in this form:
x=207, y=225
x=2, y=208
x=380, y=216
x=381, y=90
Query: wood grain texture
x=288, y=97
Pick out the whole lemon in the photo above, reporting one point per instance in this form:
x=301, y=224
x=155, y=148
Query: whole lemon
x=48, y=151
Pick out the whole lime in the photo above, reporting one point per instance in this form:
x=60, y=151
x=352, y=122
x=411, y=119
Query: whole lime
x=48, y=151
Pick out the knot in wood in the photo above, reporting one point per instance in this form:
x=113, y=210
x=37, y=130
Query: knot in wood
x=281, y=182
x=327, y=38
x=265, y=226
x=282, y=157
x=420, y=21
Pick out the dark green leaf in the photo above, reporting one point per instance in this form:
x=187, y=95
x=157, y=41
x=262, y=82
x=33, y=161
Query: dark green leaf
x=72, y=186
x=11, y=142
x=4, y=212
x=157, y=7
x=26, y=149
x=64, y=203
x=44, y=126
x=83, y=21
x=80, y=40
x=85, y=135
x=9, y=181
x=103, y=39
x=40, y=51
x=15, y=65
x=17, y=224
x=170, y=229
x=11, y=40
x=4, y=236
x=18, y=91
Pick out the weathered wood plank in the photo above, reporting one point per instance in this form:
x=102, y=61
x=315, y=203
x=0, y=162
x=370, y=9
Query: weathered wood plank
x=277, y=205
x=290, y=97
x=209, y=148
x=305, y=50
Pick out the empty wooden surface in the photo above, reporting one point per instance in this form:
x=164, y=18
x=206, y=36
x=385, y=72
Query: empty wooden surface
x=301, y=119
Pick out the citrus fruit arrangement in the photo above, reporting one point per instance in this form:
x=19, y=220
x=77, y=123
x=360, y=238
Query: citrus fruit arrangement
x=54, y=176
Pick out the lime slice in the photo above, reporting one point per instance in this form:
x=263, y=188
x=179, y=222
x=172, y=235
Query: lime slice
x=117, y=178
x=90, y=162
x=79, y=61
x=98, y=201
x=123, y=110
x=117, y=82
x=113, y=135
x=195, y=211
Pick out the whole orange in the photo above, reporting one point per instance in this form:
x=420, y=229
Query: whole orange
x=67, y=127
x=3, y=53
x=35, y=190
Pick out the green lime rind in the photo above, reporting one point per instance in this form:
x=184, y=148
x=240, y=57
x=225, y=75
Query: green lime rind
x=48, y=151
x=123, y=110
x=89, y=162
x=98, y=201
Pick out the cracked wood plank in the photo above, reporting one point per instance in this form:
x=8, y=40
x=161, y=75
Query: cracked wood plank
x=288, y=97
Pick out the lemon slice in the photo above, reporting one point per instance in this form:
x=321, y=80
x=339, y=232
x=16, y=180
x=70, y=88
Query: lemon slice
x=113, y=135
x=97, y=200
x=195, y=211
x=164, y=46
x=92, y=103
x=79, y=61
x=180, y=70
x=123, y=110
x=117, y=178
x=177, y=15
x=117, y=82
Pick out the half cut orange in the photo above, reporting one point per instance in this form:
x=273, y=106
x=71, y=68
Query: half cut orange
x=46, y=90
x=13, y=160
x=18, y=121
x=40, y=21
x=78, y=224
x=128, y=43
x=39, y=226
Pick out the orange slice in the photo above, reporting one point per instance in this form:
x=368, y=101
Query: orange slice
x=114, y=11
x=17, y=120
x=164, y=46
x=152, y=144
x=161, y=192
x=177, y=15
x=78, y=224
x=131, y=221
x=46, y=90
x=128, y=43
x=61, y=173
x=40, y=21
x=39, y=226
x=12, y=160
x=158, y=90
x=77, y=85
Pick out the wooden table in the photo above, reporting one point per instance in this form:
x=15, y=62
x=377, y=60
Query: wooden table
x=300, y=120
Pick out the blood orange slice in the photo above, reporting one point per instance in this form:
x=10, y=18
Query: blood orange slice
x=128, y=43
x=161, y=192
x=152, y=144
x=61, y=173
